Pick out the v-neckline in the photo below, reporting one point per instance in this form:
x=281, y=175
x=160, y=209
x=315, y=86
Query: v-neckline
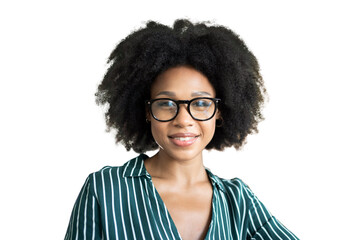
x=172, y=223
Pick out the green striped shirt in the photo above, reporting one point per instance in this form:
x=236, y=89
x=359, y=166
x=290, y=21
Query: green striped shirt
x=122, y=203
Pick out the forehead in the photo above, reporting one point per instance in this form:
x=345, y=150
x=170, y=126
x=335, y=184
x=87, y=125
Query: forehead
x=182, y=81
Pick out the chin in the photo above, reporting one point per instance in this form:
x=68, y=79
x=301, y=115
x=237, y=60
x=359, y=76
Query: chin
x=182, y=154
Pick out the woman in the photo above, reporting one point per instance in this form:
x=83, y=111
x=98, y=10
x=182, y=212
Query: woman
x=180, y=90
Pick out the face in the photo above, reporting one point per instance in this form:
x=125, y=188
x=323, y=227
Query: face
x=182, y=138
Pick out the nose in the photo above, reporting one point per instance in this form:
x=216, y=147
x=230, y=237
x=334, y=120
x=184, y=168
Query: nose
x=183, y=118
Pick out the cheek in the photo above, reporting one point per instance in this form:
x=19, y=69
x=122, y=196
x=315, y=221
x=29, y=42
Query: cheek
x=158, y=132
x=209, y=128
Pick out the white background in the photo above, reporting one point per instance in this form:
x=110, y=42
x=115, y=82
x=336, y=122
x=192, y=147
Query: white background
x=302, y=164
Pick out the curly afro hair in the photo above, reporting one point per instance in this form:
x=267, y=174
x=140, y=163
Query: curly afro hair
x=214, y=50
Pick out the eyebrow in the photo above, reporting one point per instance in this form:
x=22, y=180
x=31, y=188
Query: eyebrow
x=193, y=94
x=172, y=94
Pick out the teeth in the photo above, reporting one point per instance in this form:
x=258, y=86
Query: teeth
x=184, y=138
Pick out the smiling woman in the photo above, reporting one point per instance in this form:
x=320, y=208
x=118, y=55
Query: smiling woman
x=179, y=90
x=183, y=137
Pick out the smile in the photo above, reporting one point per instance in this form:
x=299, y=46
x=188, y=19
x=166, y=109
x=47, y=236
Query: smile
x=183, y=141
x=184, y=138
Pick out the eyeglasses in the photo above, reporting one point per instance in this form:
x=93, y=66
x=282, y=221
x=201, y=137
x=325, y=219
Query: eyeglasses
x=166, y=109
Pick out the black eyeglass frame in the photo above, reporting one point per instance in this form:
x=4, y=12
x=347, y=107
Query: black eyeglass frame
x=178, y=102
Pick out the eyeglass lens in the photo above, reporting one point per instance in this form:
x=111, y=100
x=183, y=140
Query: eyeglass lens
x=165, y=109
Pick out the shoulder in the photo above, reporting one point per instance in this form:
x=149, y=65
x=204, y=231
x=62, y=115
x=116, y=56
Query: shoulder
x=255, y=216
x=133, y=167
x=236, y=184
x=234, y=188
x=109, y=177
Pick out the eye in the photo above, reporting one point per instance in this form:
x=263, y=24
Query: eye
x=165, y=104
x=202, y=103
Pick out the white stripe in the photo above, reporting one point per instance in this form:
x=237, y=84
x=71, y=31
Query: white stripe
x=221, y=216
x=157, y=227
x=132, y=171
x=252, y=222
x=233, y=210
x=263, y=212
x=213, y=217
x=105, y=207
x=137, y=209
x=86, y=206
x=72, y=220
x=259, y=235
x=94, y=182
x=167, y=216
x=281, y=230
x=248, y=233
x=113, y=205
x=273, y=230
x=267, y=233
x=210, y=230
x=226, y=214
x=73, y=213
x=146, y=213
x=78, y=214
x=255, y=230
x=288, y=230
x=121, y=208
x=141, y=167
x=217, y=218
x=126, y=165
x=257, y=214
x=158, y=208
x=93, y=217
x=129, y=208
x=241, y=199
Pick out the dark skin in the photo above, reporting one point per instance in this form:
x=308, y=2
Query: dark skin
x=177, y=170
x=189, y=204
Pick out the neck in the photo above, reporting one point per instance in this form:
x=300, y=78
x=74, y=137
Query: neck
x=185, y=172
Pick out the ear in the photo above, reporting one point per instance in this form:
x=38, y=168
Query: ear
x=218, y=114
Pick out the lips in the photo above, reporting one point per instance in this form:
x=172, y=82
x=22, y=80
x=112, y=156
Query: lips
x=183, y=139
x=183, y=135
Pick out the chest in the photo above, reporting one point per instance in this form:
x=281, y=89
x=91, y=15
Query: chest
x=191, y=210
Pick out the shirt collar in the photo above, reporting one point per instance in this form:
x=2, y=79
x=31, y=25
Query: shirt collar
x=215, y=180
x=135, y=168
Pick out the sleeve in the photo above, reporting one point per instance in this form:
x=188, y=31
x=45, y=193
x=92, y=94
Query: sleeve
x=85, y=222
x=261, y=224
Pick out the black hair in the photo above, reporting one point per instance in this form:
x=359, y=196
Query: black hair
x=214, y=50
